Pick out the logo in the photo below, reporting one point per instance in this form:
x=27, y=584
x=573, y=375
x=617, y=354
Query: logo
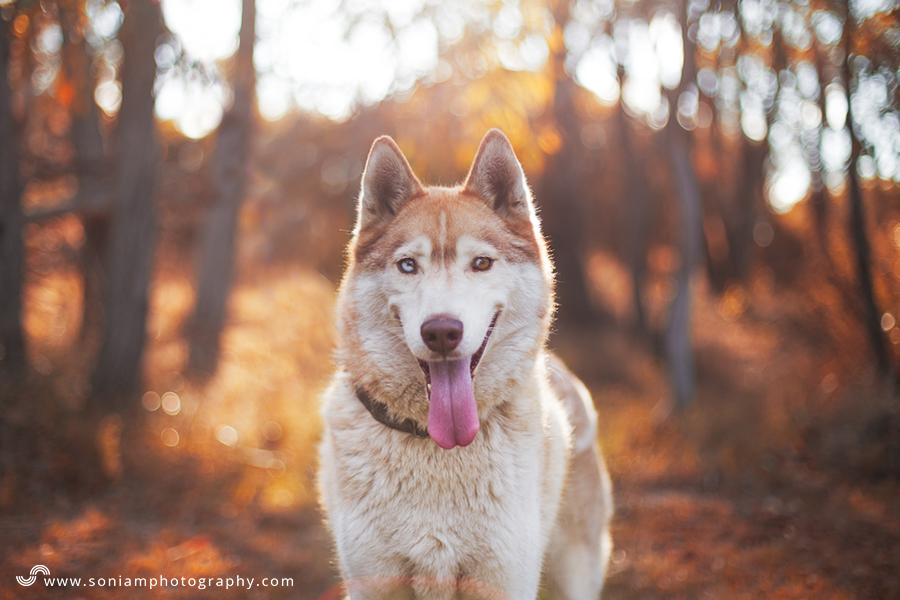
x=33, y=575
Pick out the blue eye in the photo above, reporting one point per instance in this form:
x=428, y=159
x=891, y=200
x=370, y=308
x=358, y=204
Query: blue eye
x=408, y=266
x=482, y=263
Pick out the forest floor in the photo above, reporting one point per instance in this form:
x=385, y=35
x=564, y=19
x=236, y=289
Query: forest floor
x=779, y=481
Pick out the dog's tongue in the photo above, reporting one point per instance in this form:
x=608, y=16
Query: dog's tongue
x=452, y=413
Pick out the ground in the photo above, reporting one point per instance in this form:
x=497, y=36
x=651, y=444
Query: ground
x=775, y=482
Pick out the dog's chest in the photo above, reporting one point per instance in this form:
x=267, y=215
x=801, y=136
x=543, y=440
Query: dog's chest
x=414, y=509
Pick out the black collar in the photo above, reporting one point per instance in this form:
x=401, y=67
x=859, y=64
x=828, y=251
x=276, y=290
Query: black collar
x=379, y=412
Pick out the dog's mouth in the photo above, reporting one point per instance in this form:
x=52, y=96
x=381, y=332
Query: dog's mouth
x=452, y=410
x=476, y=358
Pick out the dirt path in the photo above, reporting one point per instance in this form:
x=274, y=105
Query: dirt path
x=798, y=538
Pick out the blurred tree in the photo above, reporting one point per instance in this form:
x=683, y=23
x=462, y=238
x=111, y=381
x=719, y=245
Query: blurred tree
x=562, y=205
x=92, y=202
x=230, y=172
x=679, y=352
x=770, y=70
x=12, y=342
x=133, y=225
x=818, y=192
x=637, y=195
x=871, y=316
x=637, y=217
x=750, y=198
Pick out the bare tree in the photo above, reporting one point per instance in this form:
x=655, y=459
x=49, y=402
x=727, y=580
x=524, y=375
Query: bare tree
x=217, y=240
x=562, y=210
x=679, y=352
x=12, y=342
x=860, y=240
x=133, y=225
x=93, y=198
x=638, y=202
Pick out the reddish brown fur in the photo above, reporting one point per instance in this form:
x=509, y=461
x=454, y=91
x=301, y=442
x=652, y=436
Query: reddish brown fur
x=466, y=214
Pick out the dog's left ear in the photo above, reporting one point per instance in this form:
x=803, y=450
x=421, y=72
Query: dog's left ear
x=387, y=183
x=497, y=177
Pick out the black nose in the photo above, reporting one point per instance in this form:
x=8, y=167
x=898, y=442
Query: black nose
x=442, y=334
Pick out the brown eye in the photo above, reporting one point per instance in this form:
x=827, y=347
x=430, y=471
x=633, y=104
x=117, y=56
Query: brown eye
x=408, y=266
x=482, y=263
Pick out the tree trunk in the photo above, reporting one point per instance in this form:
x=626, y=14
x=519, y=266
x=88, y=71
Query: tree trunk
x=871, y=316
x=679, y=352
x=717, y=251
x=12, y=340
x=217, y=241
x=747, y=205
x=819, y=198
x=563, y=217
x=749, y=197
x=562, y=212
x=637, y=199
x=134, y=220
x=90, y=166
x=860, y=240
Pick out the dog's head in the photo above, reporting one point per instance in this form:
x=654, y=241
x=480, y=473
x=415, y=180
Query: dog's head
x=448, y=293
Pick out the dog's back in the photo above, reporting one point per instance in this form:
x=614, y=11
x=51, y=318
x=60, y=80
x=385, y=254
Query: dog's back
x=580, y=548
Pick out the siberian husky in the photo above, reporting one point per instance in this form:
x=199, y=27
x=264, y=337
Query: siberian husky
x=459, y=458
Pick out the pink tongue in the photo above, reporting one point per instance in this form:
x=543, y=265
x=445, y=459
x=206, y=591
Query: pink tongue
x=452, y=413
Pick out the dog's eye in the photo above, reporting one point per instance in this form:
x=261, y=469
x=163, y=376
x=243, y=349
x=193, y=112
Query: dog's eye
x=482, y=263
x=408, y=266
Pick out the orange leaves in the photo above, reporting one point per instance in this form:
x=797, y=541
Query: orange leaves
x=513, y=101
x=20, y=25
x=65, y=93
x=549, y=140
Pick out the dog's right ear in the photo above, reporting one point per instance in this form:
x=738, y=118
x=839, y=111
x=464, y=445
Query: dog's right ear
x=387, y=184
x=497, y=177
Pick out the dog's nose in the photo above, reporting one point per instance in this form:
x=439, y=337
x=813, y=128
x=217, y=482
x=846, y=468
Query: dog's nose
x=442, y=334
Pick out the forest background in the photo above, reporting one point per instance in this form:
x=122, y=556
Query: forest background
x=718, y=181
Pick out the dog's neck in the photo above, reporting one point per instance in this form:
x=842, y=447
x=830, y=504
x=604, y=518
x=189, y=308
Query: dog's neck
x=380, y=413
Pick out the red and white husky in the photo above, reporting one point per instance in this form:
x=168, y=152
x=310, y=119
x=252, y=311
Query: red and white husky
x=459, y=458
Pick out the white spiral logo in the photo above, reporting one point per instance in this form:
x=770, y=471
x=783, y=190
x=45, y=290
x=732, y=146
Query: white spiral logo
x=33, y=575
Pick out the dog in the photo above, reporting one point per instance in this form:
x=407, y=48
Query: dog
x=459, y=457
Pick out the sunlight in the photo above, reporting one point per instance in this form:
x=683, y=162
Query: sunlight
x=273, y=96
x=208, y=29
x=597, y=71
x=835, y=149
x=641, y=90
x=666, y=35
x=652, y=55
x=105, y=17
x=305, y=58
x=108, y=96
x=171, y=403
x=863, y=9
x=151, y=401
x=753, y=117
x=789, y=183
x=195, y=107
x=227, y=434
x=835, y=106
x=877, y=119
x=170, y=437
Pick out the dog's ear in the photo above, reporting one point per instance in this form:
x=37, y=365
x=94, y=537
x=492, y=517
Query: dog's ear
x=387, y=183
x=497, y=177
